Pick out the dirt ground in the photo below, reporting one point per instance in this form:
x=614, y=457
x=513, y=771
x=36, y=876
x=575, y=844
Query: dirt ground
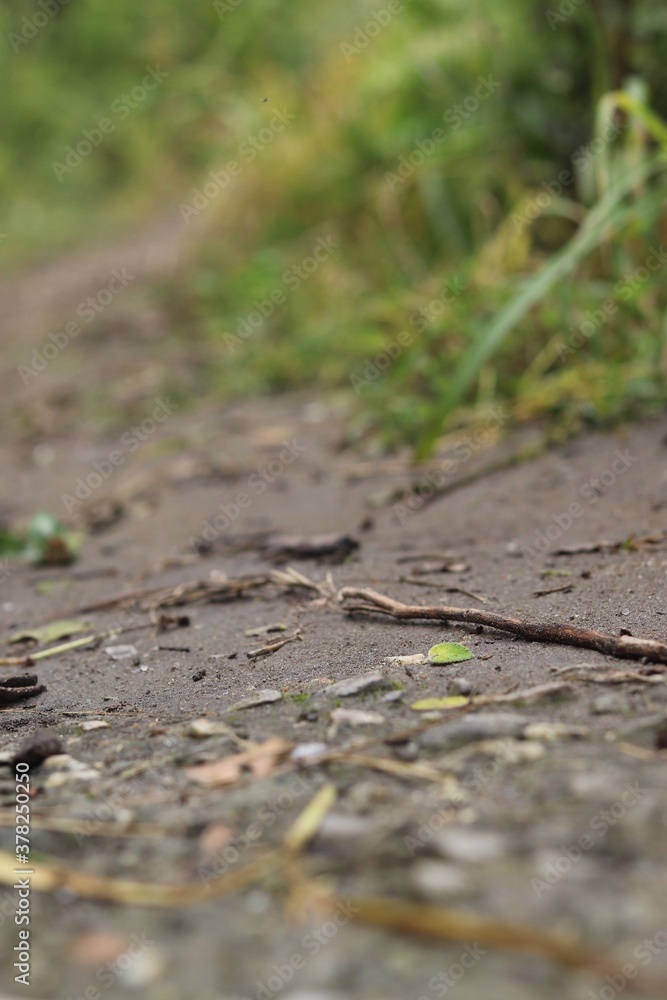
x=558, y=828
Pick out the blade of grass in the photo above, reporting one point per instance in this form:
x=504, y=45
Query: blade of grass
x=604, y=219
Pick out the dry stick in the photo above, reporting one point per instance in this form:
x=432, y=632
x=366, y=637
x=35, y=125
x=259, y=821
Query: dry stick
x=622, y=646
x=273, y=647
x=451, y=924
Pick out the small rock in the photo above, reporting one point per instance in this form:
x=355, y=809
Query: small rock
x=552, y=732
x=144, y=968
x=341, y=829
x=435, y=878
x=41, y=745
x=352, y=717
x=415, y=660
x=460, y=686
x=373, y=681
x=609, y=703
x=121, y=652
x=469, y=728
x=355, y=717
x=261, y=698
x=92, y=724
x=470, y=846
x=200, y=728
x=306, y=752
x=392, y=696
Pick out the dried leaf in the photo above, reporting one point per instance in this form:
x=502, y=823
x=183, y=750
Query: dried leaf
x=430, y=704
x=261, y=760
x=49, y=633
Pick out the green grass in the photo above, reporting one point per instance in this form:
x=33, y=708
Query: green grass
x=462, y=269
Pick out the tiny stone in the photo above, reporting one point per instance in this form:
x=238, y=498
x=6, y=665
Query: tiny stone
x=261, y=698
x=38, y=747
x=94, y=724
x=201, y=728
x=461, y=686
x=436, y=878
x=373, y=681
x=121, y=652
x=470, y=846
x=609, y=704
x=470, y=728
x=392, y=696
x=306, y=752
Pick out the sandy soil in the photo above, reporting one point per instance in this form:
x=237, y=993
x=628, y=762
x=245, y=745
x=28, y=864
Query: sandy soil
x=495, y=833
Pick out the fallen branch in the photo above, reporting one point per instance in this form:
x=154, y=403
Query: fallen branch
x=450, y=924
x=622, y=646
x=274, y=646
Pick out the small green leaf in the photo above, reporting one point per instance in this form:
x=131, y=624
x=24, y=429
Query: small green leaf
x=51, y=632
x=449, y=652
x=427, y=704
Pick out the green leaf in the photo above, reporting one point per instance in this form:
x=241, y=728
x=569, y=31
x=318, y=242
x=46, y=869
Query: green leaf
x=427, y=704
x=51, y=632
x=449, y=652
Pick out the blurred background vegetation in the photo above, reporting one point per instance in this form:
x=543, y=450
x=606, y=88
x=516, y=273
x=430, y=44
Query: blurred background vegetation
x=513, y=256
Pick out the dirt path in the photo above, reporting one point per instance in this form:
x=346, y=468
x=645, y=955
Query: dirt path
x=497, y=833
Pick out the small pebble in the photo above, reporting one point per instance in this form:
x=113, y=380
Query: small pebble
x=470, y=846
x=609, y=703
x=461, y=686
x=373, y=681
x=38, y=747
x=121, y=652
x=435, y=879
x=94, y=724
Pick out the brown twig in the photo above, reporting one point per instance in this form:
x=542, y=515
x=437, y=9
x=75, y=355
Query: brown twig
x=272, y=647
x=622, y=646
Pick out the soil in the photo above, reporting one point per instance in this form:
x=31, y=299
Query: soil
x=499, y=836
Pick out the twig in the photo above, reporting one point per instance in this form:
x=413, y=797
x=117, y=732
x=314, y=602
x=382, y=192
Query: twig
x=564, y=588
x=462, y=925
x=622, y=646
x=415, y=581
x=272, y=647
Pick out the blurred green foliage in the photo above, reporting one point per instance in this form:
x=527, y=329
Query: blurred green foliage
x=491, y=175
